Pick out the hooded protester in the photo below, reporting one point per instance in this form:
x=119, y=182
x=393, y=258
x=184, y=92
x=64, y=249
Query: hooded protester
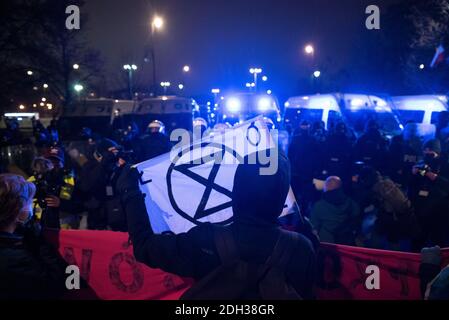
x=335, y=217
x=434, y=280
x=429, y=193
x=258, y=200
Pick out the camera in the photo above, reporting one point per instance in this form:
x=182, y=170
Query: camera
x=423, y=168
x=45, y=187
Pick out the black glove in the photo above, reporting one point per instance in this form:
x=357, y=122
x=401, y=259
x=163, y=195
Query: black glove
x=128, y=181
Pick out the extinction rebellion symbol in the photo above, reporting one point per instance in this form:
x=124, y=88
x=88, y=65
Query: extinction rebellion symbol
x=218, y=154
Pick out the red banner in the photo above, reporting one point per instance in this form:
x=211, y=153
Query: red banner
x=107, y=263
x=344, y=273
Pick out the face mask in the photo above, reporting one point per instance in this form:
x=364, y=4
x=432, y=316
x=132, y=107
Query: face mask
x=29, y=210
x=109, y=161
x=429, y=158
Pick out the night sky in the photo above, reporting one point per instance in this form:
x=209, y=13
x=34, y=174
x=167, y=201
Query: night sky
x=222, y=39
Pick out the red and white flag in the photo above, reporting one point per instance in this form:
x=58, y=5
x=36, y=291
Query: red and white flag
x=439, y=56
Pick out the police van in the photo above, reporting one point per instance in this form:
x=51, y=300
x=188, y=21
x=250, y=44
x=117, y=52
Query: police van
x=423, y=109
x=239, y=107
x=174, y=112
x=24, y=119
x=353, y=109
x=96, y=114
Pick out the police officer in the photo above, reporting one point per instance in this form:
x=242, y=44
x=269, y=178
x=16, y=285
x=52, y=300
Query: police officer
x=319, y=131
x=429, y=193
x=339, y=154
x=371, y=147
x=403, y=153
x=153, y=143
x=306, y=159
x=127, y=136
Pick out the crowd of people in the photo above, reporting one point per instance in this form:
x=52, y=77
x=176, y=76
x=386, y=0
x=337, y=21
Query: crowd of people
x=370, y=191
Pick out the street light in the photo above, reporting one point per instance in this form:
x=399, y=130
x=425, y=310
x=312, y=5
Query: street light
x=45, y=86
x=158, y=22
x=78, y=88
x=264, y=78
x=269, y=91
x=255, y=72
x=21, y=107
x=165, y=85
x=180, y=86
x=309, y=49
x=76, y=66
x=130, y=68
x=422, y=66
x=186, y=68
x=317, y=74
x=44, y=99
x=29, y=72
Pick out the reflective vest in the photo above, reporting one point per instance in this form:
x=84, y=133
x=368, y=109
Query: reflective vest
x=64, y=194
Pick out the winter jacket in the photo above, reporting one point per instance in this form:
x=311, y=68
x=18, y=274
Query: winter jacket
x=194, y=253
x=29, y=271
x=335, y=217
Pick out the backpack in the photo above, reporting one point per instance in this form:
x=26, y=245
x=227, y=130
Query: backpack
x=392, y=199
x=395, y=208
x=236, y=279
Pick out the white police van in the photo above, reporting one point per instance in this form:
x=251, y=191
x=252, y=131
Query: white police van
x=239, y=107
x=353, y=109
x=96, y=114
x=423, y=109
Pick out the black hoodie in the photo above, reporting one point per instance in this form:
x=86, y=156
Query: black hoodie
x=258, y=201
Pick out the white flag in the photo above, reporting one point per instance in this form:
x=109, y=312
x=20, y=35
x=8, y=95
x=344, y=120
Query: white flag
x=193, y=184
